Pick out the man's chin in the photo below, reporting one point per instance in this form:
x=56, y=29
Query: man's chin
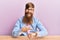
x=28, y=17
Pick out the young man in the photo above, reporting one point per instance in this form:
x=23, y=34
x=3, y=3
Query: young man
x=28, y=25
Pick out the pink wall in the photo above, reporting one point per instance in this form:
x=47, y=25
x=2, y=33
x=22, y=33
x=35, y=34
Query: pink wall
x=47, y=11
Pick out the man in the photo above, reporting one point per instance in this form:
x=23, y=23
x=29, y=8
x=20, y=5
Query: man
x=28, y=25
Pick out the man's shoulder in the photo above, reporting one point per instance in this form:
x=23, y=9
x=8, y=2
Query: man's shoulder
x=20, y=18
x=35, y=19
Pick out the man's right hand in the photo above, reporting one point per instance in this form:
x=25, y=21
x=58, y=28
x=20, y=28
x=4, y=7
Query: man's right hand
x=25, y=29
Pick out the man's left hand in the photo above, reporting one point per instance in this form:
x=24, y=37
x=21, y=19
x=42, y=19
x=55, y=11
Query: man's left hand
x=32, y=35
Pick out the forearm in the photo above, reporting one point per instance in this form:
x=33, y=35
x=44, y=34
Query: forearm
x=42, y=33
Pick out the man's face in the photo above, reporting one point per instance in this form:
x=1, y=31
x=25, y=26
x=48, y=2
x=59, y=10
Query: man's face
x=29, y=12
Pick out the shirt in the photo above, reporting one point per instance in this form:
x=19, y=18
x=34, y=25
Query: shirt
x=41, y=32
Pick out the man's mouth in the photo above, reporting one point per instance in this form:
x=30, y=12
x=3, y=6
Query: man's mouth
x=29, y=14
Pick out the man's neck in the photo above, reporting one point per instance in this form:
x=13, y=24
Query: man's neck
x=27, y=20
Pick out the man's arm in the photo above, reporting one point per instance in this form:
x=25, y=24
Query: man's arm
x=16, y=29
x=42, y=31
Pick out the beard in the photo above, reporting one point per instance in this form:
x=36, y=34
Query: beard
x=28, y=18
x=28, y=15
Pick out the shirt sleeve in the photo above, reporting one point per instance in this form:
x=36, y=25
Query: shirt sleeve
x=16, y=29
x=42, y=30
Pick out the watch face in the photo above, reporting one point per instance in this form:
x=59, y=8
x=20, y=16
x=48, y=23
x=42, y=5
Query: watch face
x=22, y=35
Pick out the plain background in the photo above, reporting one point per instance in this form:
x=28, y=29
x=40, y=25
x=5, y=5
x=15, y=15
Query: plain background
x=47, y=11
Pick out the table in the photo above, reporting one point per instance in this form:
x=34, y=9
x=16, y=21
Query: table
x=26, y=38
